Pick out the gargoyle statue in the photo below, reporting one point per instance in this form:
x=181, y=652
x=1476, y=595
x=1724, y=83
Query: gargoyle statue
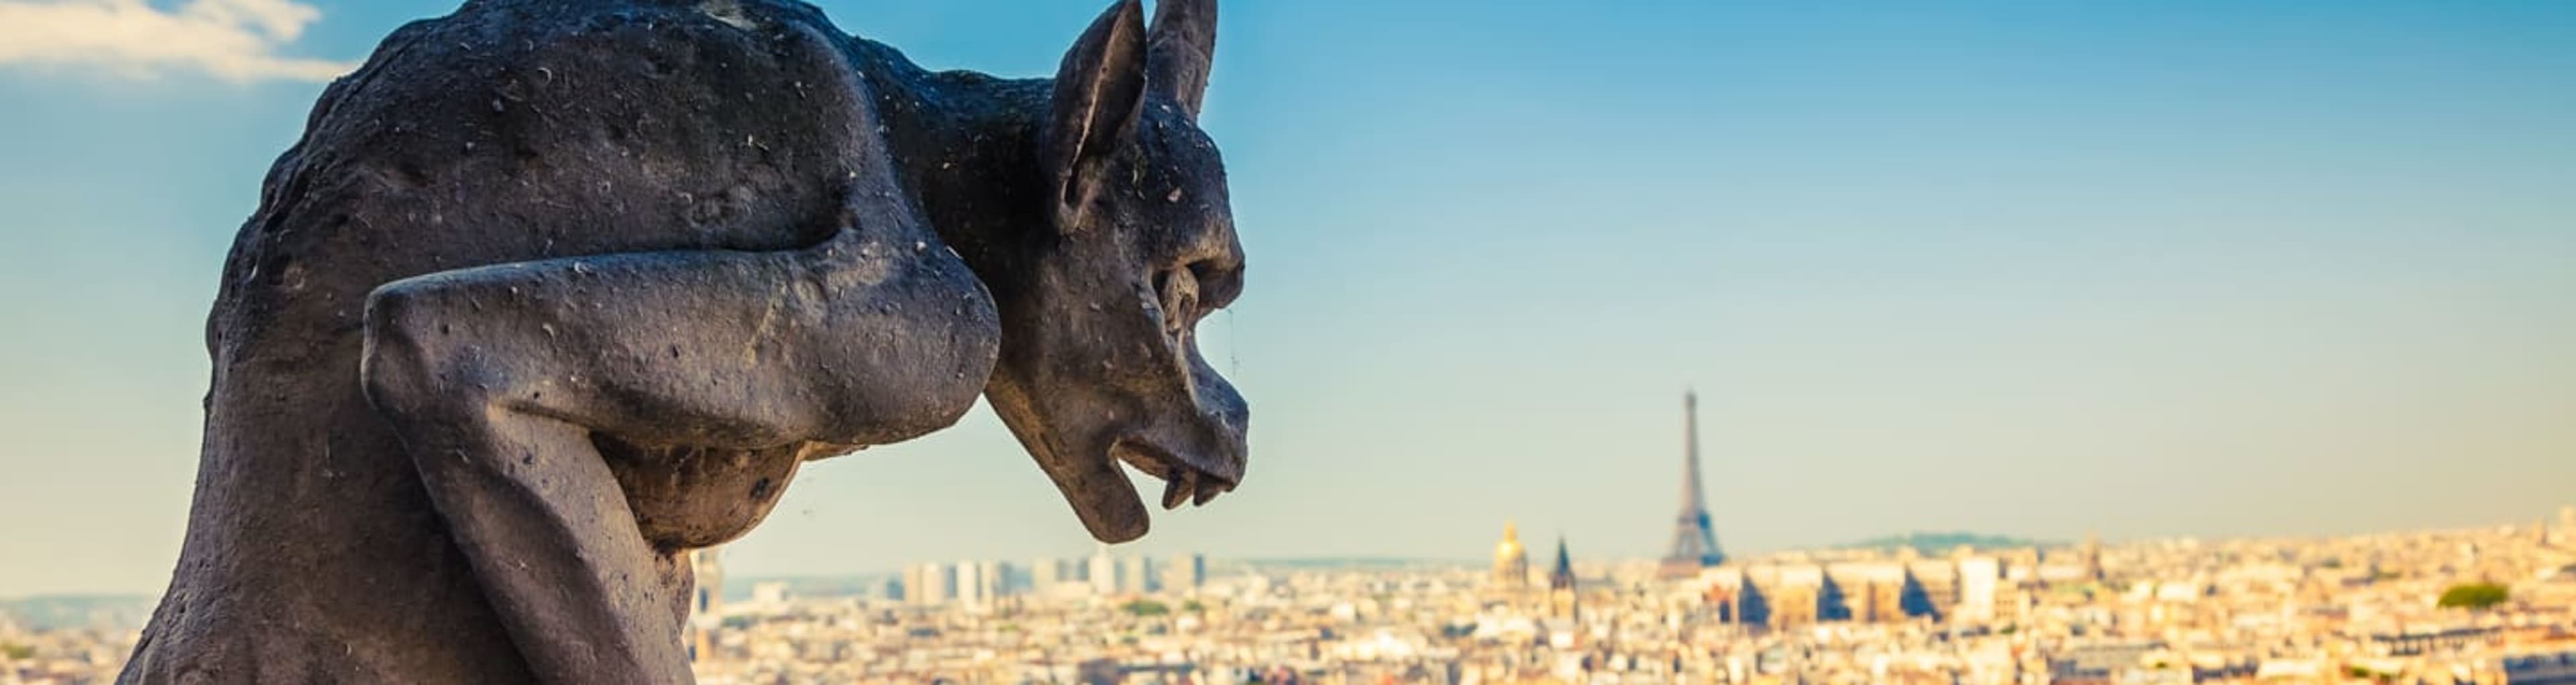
x=554, y=291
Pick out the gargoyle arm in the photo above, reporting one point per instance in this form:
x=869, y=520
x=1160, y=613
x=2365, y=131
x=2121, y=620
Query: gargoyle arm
x=497, y=378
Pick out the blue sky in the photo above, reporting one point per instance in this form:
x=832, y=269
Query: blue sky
x=2147, y=268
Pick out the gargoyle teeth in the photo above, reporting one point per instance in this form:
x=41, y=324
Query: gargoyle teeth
x=1177, y=487
x=1207, y=493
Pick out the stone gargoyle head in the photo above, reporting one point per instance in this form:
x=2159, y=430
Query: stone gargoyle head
x=1100, y=363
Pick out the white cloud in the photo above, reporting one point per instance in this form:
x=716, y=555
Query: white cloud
x=230, y=39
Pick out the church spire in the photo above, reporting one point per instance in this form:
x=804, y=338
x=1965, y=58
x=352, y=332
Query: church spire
x=1562, y=576
x=1561, y=599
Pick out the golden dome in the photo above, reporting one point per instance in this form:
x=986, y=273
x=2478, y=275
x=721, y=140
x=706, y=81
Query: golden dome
x=1510, y=547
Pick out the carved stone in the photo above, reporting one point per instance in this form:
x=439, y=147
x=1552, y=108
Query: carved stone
x=553, y=291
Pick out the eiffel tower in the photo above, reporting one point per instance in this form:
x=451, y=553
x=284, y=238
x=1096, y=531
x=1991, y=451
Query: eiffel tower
x=1694, y=542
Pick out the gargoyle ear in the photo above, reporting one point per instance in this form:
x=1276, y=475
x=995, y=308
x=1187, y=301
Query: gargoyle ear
x=1099, y=91
x=1181, y=51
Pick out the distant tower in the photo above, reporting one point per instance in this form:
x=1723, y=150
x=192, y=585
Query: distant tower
x=1560, y=583
x=2567, y=526
x=1694, y=542
x=1104, y=572
x=979, y=583
x=929, y=584
x=2093, y=557
x=706, y=599
x=1187, y=572
x=971, y=584
x=1136, y=575
x=1045, y=574
x=1511, y=562
x=707, y=595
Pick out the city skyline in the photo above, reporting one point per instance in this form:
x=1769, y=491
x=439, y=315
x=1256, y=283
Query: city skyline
x=2454, y=607
x=2145, y=270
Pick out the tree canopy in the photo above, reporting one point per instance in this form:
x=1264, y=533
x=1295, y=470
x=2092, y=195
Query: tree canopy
x=2474, y=596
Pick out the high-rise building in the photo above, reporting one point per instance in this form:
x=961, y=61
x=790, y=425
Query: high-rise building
x=1694, y=541
x=1136, y=575
x=1511, y=561
x=997, y=579
x=973, y=588
x=929, y=584
x=1045, y=574
x=1186, y=573
x=1104, y=572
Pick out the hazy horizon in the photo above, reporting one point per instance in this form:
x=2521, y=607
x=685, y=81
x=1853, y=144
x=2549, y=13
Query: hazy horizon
x=2150, y=269
x=1477, y=559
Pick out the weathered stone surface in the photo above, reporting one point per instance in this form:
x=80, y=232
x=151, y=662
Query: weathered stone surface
x=553, y=291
